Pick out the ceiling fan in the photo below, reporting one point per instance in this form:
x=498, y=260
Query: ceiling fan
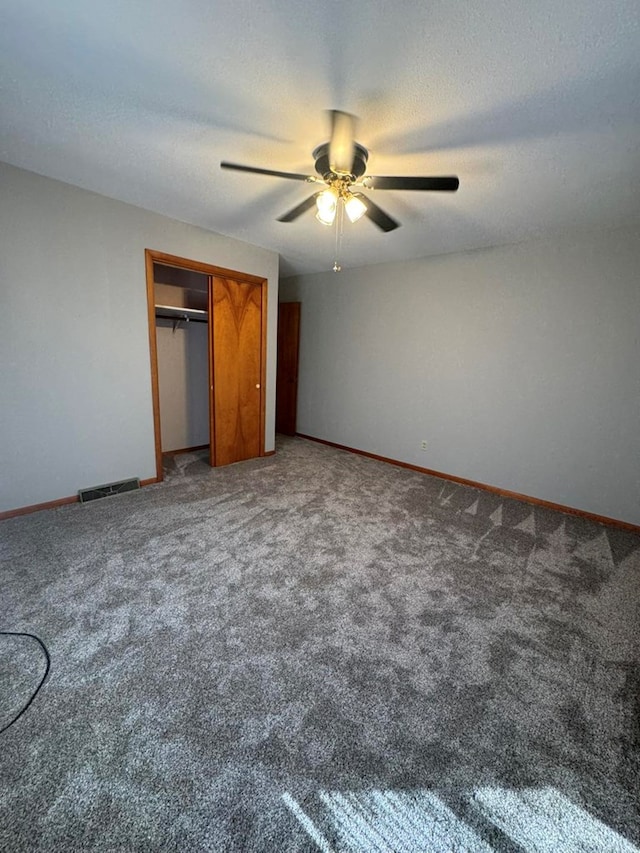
x=341, y=164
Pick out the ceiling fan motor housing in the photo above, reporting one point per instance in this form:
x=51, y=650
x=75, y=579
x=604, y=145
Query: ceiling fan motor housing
x=321, y=157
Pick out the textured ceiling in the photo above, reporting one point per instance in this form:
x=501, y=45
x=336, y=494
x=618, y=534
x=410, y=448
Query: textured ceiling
x=535, y=106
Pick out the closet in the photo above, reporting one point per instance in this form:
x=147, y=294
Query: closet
x=181, y=298
x=207, y=338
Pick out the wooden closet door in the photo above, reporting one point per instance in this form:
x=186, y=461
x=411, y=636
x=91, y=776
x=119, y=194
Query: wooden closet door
x=236, y=330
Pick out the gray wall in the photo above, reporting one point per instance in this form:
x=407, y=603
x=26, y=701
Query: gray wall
x=75, y=388
x=519, y=365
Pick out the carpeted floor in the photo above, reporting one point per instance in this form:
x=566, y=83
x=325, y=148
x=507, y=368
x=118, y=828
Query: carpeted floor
x=317, y=651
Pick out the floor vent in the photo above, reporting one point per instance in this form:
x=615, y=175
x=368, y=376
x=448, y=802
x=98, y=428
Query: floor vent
x=108, y=489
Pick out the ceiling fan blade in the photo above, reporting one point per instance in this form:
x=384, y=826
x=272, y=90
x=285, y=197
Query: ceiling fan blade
x=341, y=142
x=449, y=184
x=377, y=215
x=291, y=175
x=299, y=209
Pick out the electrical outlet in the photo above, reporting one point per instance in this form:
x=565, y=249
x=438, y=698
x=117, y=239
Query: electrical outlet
x=423, y=444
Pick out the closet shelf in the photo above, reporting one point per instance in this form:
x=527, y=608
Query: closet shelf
x=170, y=312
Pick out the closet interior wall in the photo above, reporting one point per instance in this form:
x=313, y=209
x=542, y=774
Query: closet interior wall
x=183, y=364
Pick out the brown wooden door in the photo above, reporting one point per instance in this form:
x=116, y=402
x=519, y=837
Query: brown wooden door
x=287, y=374
x=236, y=328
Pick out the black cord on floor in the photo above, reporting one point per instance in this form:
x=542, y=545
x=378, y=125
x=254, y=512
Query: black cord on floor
x=42, y=680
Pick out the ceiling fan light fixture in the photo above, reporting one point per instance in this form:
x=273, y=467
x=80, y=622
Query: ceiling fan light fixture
x=327, y=203
x=341, y=165
x=354, y=207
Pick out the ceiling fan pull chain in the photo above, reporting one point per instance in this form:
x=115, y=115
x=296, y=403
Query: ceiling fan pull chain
x=339, y=223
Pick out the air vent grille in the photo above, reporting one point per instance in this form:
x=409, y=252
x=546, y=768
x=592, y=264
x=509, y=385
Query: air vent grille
x=108, y=490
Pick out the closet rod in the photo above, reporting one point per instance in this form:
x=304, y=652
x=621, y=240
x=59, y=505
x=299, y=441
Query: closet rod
x=193, y=315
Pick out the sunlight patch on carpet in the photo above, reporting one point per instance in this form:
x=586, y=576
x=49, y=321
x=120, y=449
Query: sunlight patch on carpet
x=543, y=819
x=535, y=820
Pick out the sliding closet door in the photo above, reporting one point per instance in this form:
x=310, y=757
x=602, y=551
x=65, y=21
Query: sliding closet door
x=237, y=328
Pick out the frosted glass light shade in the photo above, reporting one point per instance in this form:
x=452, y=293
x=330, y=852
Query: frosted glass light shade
x=326, y=202
x=355, y=208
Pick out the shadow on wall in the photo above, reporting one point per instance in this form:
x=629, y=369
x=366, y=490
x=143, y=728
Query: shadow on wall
x=197, y=397
x=183, y=370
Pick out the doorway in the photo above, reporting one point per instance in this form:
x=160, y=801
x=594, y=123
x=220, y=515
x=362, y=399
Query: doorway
x=183, y=358
x=233, y=305
x=287, y=372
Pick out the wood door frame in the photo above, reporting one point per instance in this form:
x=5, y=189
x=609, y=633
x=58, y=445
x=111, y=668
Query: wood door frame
x=152, y=256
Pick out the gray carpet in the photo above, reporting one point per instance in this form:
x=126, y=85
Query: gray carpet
x=317, y=651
